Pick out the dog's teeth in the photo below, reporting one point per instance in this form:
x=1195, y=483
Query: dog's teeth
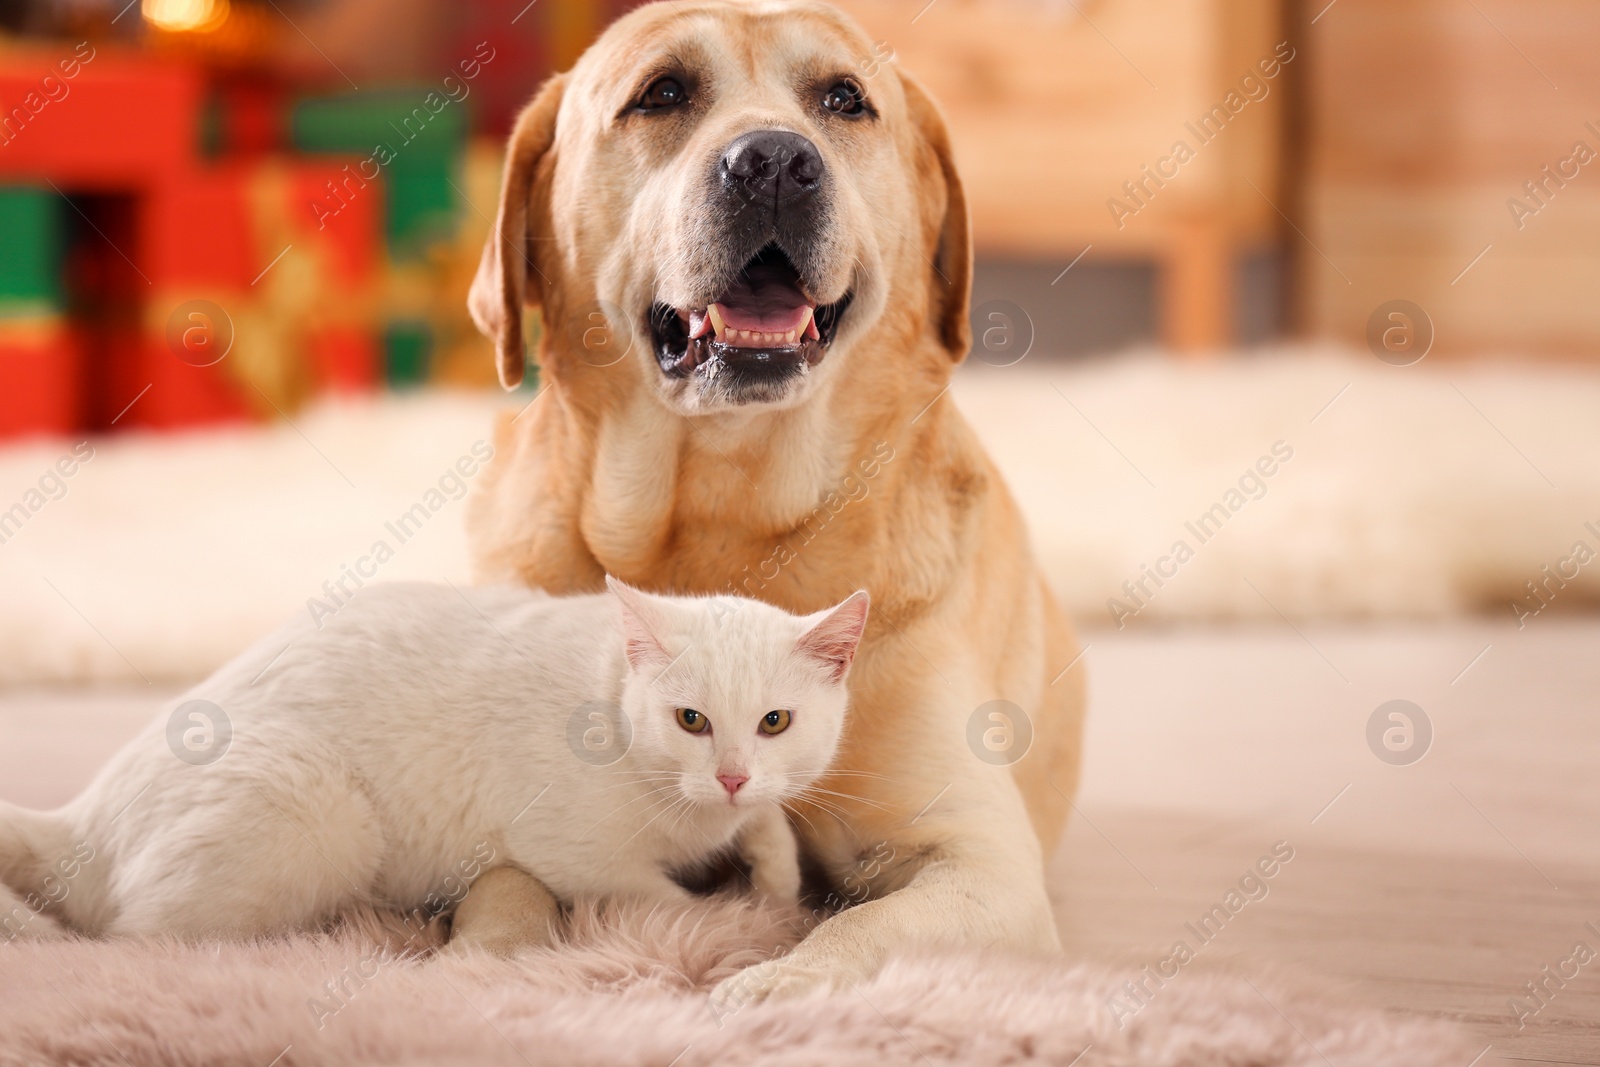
x=806, y=325
x=758, y=338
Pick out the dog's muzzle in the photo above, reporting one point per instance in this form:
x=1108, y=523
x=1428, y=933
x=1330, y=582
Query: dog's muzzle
x=762, y=325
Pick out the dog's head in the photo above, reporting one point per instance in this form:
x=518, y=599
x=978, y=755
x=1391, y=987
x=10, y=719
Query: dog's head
x=733, y=199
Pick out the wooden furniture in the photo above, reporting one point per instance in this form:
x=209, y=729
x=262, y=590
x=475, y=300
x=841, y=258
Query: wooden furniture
x=1054, y=105
x=1431, y=116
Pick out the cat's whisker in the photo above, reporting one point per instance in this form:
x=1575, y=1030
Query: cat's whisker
x=820, y=806
x=641, y=782
x=643, y=776
x=688, y=809
x=819, y=778
x=655, y=796
x=833, y=792
x=824, y=772
x=816, y=801
x=672, y=802
x=651, y=794
x=682, y=812
x=820, y=802
x=802, y=816
x=807, y=778
x=817, y=789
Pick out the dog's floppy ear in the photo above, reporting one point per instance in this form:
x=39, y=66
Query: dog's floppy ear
x=951, y=275
x=507, y=278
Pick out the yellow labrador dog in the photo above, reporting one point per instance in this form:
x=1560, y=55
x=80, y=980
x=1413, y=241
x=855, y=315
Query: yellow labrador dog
x=751, y=253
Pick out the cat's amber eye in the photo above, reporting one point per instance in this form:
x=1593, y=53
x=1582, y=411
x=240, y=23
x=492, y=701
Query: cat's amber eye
x=693, y=721
x=775, y=722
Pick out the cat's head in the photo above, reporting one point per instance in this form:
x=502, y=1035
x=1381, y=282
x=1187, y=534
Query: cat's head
x=739, y=701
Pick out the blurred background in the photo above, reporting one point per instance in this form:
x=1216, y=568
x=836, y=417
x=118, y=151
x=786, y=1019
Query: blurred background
x=238, y=236
x=1286, y=338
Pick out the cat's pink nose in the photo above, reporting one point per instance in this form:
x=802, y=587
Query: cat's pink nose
x=732, y=782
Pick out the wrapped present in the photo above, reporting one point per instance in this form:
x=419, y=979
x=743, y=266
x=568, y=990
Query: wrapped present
x=41, y=364
x=272, y=303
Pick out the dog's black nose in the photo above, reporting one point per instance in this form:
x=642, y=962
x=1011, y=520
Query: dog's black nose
x=772, y=165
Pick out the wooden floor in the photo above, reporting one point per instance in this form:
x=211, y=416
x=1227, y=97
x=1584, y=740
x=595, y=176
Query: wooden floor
x=1440, y=887
x=1449, y=936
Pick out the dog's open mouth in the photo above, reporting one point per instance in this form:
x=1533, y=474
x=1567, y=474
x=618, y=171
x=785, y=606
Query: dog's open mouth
x=763, y=326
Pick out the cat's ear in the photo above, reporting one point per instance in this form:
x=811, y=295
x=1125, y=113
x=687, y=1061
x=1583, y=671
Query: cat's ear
x=640, y=625
x=832, y=641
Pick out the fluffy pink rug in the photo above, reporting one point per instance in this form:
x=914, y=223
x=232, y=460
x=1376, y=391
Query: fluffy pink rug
x=629, y=988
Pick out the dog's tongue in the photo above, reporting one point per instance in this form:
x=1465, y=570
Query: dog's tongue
x=764, y=309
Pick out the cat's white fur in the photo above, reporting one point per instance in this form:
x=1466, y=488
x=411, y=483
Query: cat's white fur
x=424, y=734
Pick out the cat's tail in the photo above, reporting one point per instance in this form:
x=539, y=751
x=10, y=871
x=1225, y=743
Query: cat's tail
x=31, y=844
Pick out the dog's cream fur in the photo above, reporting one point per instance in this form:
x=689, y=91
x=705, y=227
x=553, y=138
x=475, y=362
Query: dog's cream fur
x=612, y=469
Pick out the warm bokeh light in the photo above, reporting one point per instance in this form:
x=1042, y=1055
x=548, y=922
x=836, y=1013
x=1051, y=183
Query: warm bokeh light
x=185, y=16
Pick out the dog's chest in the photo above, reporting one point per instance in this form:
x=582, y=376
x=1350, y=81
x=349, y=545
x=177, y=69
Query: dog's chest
x=718, y=534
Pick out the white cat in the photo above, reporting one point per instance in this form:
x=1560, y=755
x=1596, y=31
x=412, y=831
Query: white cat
x=425, y=734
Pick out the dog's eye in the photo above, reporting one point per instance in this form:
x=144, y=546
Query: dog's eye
x=845, y=98
x=663, y=92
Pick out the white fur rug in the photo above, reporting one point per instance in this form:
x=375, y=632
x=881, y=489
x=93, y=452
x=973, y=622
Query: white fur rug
x=629, y=989
x=1411, y=492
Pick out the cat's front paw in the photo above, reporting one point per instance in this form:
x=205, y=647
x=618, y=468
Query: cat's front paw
x=769, y=848
x=782, y=977
x=777, y=880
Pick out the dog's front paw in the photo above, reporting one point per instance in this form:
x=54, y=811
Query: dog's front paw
x=504, y=912
x=782, y=977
